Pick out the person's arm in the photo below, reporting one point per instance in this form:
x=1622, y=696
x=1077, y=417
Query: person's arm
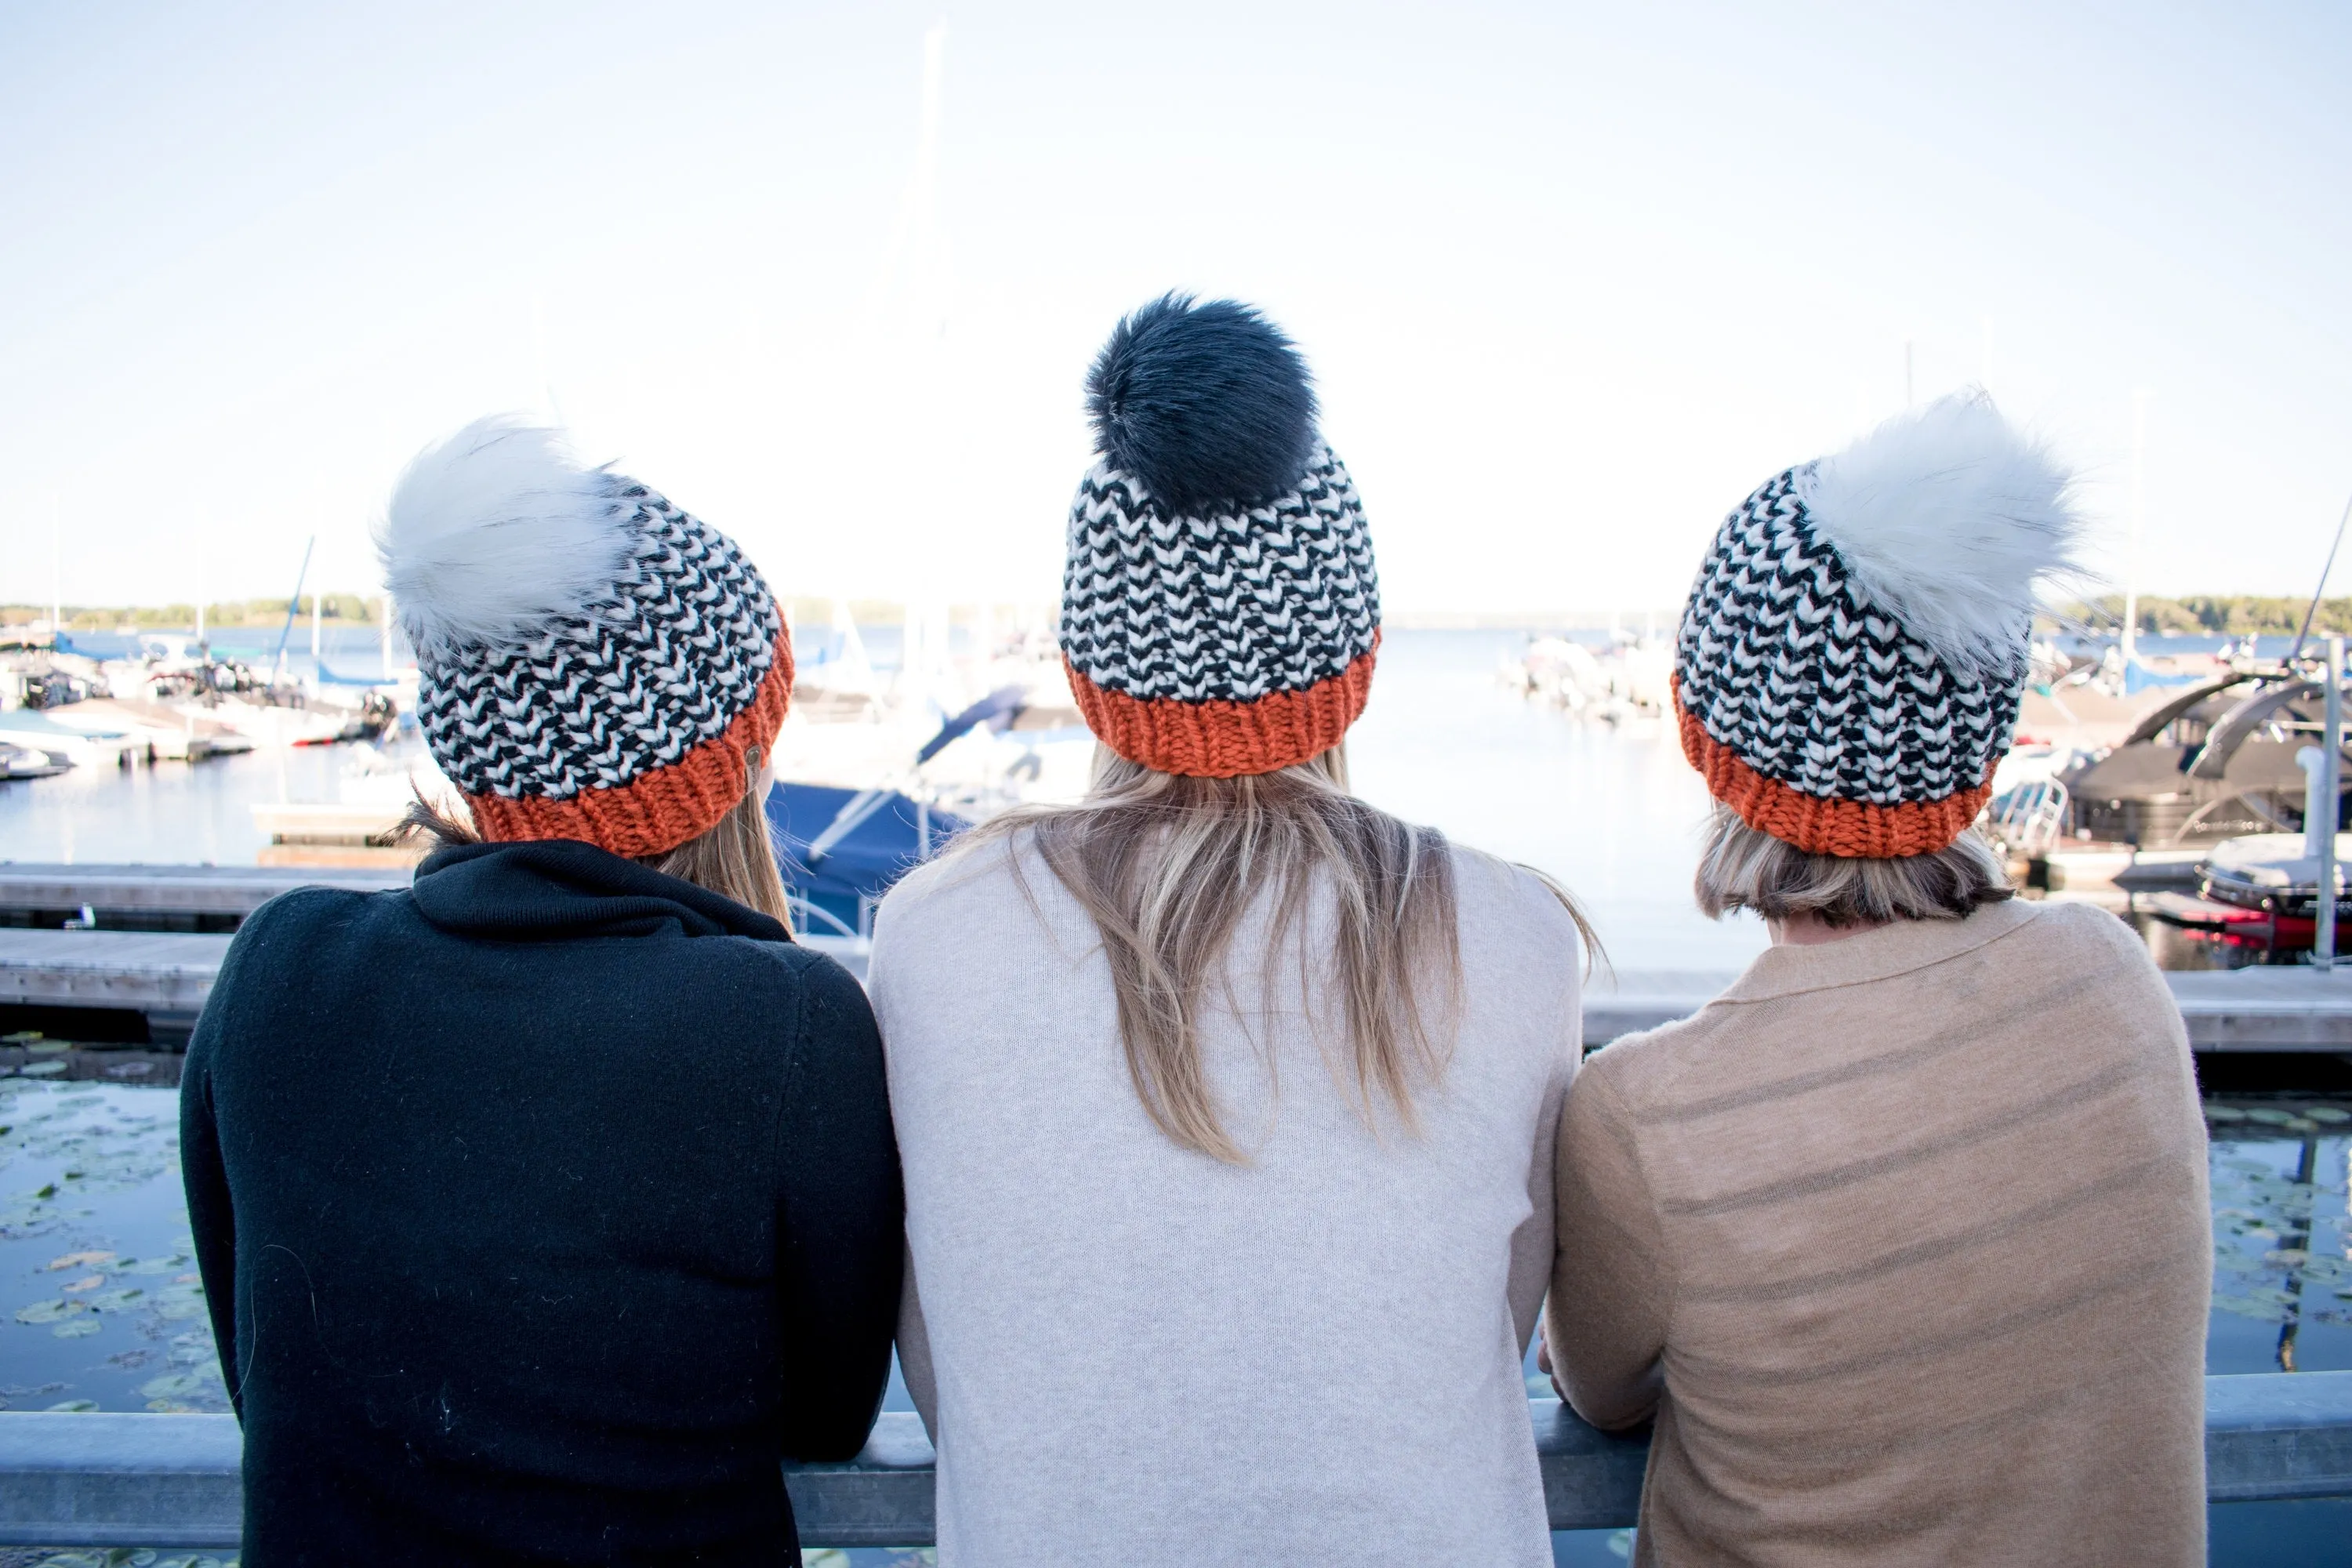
x=915, y=1355
x=1611, y=1286
x=1535, y=1244
x=212, y=1221
x=842, y=1219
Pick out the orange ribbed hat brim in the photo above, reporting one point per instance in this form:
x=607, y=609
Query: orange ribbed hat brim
x=1855, y=829
x=657, y=811
x=1223, y=740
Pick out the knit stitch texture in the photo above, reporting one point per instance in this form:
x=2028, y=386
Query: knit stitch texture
x=1812, y=711
x=1222, y=645
x=629, y=724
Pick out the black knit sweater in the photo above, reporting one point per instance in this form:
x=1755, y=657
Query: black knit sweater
x=542, y=1210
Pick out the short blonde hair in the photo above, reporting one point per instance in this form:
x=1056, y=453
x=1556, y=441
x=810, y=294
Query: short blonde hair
x=1744, y=868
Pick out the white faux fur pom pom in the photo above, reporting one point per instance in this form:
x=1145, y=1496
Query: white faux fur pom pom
x=496, y=531
x=1948, y=517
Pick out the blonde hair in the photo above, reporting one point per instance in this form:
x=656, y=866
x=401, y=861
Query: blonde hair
x=735, y=858
x=1744, y=868
x=1167, y=866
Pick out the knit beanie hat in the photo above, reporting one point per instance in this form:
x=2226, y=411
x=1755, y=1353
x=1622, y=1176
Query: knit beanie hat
x=1848, y=670
x=593, y=663
x=1220, y=611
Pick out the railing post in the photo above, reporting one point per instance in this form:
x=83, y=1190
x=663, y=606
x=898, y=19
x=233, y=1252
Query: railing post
x=2322, y=941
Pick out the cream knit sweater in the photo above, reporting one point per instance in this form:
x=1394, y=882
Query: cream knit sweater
x=1911, y=1228
x=1132, y=1355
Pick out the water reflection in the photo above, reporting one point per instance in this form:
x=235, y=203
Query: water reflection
x=2280, y=1241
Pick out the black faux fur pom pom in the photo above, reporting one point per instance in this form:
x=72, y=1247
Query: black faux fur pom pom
x=1208, y=406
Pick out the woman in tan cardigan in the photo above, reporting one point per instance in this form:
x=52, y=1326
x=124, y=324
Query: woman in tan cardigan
x=1903, y=1239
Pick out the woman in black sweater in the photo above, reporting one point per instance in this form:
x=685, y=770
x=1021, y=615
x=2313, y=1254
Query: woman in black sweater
x=546, y=1207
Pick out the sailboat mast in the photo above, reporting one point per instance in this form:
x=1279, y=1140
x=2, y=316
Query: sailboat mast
x=293, y=607
x=2139, y=523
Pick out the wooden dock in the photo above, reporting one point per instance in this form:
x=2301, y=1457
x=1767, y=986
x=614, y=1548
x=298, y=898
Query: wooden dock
x=168, y=976
x=133, y=896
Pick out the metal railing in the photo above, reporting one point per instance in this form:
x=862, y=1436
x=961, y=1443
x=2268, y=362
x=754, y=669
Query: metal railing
x=125, y=1480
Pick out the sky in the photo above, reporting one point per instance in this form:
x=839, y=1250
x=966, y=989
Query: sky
x=1572, y=278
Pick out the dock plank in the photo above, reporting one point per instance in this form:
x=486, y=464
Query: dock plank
x=232, y=890
x=153, y=973
x=168, y=976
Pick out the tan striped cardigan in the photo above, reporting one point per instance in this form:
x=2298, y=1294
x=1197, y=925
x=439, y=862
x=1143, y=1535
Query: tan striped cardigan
x=1905, y=1239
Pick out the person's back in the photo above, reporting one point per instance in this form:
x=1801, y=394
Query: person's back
x=1904, y=1238
x=1146, y=1355
x=1226, y=1100
x=1923, y=1235
x=554, y=1199
x=546, y=1207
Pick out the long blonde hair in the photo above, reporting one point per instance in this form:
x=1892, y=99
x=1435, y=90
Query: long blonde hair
x=735, y=858
x=1168, y=866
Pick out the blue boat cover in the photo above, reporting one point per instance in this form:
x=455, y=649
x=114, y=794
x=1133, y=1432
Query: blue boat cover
x=893, y=836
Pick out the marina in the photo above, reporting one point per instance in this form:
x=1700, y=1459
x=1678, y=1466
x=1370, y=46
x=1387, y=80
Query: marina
x=105, y=960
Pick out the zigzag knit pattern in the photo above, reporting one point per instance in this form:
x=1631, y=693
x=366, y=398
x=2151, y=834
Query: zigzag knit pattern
x=1177, y=628
x=1201, y=609
x=1782, y=664
x=674, y=661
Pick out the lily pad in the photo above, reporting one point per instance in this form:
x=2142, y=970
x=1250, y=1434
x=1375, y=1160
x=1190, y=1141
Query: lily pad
x=76, y=1328
x=50, y=1311
x=73, y=1407
x=77, y=1260
x=2224, y=1113
x=2333, y=1115
x=40, y=1069
x=172, y=1265
x=171, y=1386
x=115, y=1300
x=2270, y=1117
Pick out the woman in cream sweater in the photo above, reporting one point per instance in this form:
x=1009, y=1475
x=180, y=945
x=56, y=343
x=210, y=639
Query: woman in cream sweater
x=1226, y=1101
x=1903, y=1239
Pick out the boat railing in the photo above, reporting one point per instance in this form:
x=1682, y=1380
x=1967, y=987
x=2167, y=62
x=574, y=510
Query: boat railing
x=2031, y=816
x=815, y=920
x=109, y=1481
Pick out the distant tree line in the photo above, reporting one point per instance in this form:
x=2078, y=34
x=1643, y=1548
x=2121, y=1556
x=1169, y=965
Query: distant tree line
x=2210, y=614
x=345, y=607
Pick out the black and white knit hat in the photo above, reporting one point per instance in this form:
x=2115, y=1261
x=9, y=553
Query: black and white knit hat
x=594, y=662
x=1219, y=609
x=1848, y=671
